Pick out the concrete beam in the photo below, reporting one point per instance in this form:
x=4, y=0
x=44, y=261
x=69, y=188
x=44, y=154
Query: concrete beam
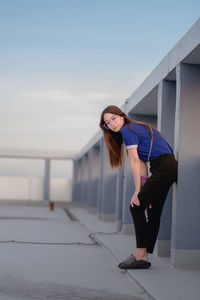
x=36, y=154
x=188, y=43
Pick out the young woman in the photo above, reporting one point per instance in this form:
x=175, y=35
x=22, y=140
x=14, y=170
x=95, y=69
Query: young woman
x=143, y=143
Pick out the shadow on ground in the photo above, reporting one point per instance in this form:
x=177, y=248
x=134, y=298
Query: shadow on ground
x=21, y=289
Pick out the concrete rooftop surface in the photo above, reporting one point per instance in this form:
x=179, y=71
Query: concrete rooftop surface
x=162, y=281
x=46, y=255
x=50, y=255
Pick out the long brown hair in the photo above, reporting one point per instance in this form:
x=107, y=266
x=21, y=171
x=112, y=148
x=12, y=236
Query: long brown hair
x=114, y=140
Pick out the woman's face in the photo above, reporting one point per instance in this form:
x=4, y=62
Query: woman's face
x=113, y=122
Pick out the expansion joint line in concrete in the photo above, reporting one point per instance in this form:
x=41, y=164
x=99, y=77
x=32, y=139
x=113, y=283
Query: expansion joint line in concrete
x=131, y=276
x=96, y=243
x=48, y=243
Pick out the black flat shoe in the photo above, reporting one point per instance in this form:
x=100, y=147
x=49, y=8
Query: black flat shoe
x=130, y=259
x=137, y=264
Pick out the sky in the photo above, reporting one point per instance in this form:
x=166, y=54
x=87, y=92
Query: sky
x=63, y=61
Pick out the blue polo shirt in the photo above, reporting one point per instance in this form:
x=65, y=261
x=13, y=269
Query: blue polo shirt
x=141, y=139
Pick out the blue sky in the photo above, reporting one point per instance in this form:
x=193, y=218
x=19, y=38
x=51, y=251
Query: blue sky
x=63, y=61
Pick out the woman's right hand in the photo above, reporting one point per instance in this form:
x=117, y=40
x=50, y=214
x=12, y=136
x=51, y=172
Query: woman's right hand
x=135, y=200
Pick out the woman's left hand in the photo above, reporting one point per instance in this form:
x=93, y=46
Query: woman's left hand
x=135, y=200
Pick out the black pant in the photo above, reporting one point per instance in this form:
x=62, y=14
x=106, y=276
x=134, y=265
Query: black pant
x=154, y=192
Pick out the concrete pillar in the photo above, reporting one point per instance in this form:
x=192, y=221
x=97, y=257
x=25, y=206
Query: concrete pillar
x=75, y=181
x=108, y=188
x=84, y=180
x=166, y=120
x=89, y=183
x=79, y=180
x=119, y=198
x=185, y=250
x=128, y=191
x=89, y=194
x=47, y=180
x=94, y=175
x=101, y=186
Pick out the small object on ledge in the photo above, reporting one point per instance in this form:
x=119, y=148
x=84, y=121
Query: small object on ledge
x=51, y=205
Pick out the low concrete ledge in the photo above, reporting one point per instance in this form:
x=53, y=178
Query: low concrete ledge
x=107, y=217
x=92, y=210
x=185, y=259
x=163, y=248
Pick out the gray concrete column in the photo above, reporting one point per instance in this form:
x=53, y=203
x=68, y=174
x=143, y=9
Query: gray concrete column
x=128, y=191
x=94, y=175
x=89, y=179
x=89, y=194
x=108, y=189
x=166, y=120
x=119, y=198
x=101, y=186
x=79, y=180
x=185, y=250
x=75, y=181
x=84, y=180
x=47, y=180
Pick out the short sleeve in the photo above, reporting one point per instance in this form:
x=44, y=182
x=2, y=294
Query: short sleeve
x=129, y=137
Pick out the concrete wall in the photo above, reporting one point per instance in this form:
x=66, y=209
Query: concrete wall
x=21, y=188
x=32, y=188
x=60, y=189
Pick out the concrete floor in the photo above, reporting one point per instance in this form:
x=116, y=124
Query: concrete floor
x=162, y=281
x=31, y=268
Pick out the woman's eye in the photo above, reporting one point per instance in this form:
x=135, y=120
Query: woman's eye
x=113, y=118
